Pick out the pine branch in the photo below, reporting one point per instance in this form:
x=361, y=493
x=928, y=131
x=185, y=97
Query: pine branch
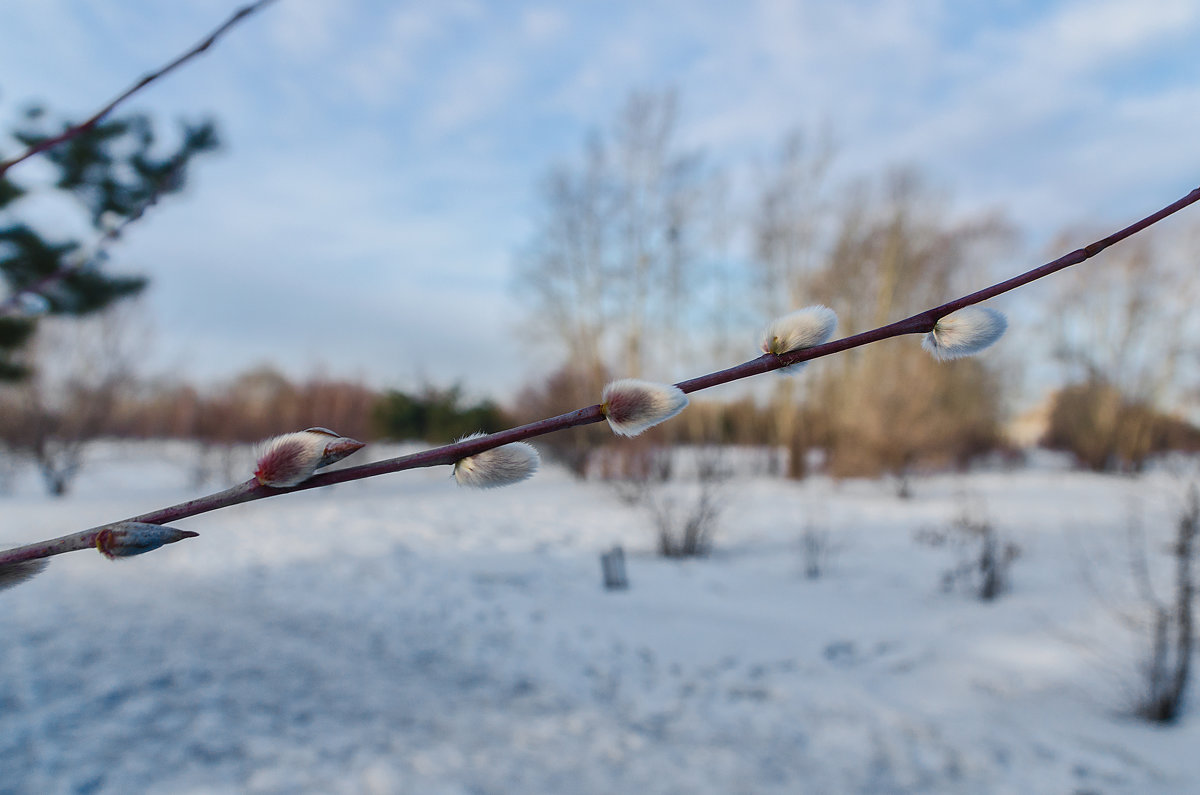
x=15, y=304
x=97, y=117
x=253, y=489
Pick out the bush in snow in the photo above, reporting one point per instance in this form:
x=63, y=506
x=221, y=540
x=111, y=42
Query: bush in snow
x=681, y=498
x=1172, y=625
x=984, y=557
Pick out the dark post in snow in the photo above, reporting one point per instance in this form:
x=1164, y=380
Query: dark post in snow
x=613, y=565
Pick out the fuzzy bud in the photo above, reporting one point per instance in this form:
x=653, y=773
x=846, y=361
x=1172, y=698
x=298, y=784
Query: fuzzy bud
x=337, y=447
x=126, y=539
x=964, y=333
x=631, y=406
x=291, y=459
x=500, y=466
x=12, y=574
x=804, y=328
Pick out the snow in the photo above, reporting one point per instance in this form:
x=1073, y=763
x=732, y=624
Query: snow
x=404, y=635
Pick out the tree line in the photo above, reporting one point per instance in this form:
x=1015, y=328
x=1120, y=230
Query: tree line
x=646, y=257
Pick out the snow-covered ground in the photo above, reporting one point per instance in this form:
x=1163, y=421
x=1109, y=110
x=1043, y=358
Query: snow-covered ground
x=402, y=635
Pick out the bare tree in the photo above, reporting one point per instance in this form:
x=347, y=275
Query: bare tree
x=1126, y=340
x=1133, y=325
x=791, y=223
x=564, y=271
x=617, y=255
x=877, y=254
x=790, y=228
x=887, y=409
x=80, y=370
x=617, y=266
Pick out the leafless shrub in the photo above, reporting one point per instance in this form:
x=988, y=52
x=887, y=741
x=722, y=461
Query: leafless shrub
x=81, y=369
x=816, y=548
x=1172, y=631
x=684, y=506
x=984, y=555
x=1107, y=431
x=817, y=544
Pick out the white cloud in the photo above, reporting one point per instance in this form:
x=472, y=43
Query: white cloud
x=543, y=24
x=392, y=52
x=309, y=30
x=1088, y=35
x=473, y=91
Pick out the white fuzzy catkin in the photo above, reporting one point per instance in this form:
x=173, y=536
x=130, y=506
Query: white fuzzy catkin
x=500, y=466
x=631, y=406
x=12, y=574
x=804, y=328
x=965, y=332
x=291, y=459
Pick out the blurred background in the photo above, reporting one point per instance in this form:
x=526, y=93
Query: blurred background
x=484, y=204
x=408, y=222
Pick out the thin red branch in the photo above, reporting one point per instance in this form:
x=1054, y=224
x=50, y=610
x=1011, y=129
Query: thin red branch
x=99, y=115
x=920, y=323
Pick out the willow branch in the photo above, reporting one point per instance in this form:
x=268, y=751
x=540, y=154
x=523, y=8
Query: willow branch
x=146, y=80
x=920, y=323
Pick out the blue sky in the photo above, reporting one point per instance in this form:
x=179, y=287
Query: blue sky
x=382, y=158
